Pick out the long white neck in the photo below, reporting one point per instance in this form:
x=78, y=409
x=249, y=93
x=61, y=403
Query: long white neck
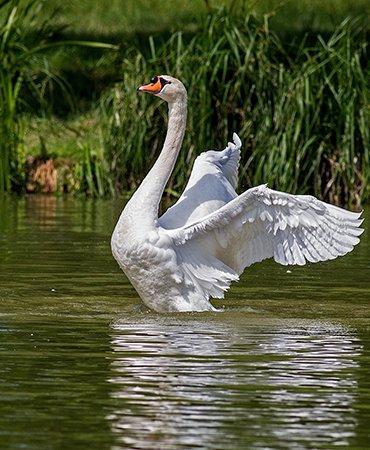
x=144, y=203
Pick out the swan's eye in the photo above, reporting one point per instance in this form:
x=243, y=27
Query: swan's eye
x=154, y=79
x=164, y=82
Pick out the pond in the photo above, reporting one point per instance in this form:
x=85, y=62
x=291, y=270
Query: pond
x=84, y=366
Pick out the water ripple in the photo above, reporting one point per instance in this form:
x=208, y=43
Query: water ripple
x=296, y=386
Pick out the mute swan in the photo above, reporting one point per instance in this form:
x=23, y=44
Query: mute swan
x=176, y=262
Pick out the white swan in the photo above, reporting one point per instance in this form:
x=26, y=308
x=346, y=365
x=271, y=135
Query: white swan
x=204, y=242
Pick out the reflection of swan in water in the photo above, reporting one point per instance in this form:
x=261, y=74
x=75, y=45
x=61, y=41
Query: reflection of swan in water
x=182, y=384
x=313, y=384
x=163, y=386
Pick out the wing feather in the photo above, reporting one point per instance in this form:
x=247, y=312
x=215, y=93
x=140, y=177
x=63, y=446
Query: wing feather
x=229, y=161
x=263, y=223
x=211, y=185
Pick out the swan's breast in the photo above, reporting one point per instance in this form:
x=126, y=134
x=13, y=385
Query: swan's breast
x=151, y=256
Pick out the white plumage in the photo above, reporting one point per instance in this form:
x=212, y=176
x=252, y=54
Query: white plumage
x=205, y=241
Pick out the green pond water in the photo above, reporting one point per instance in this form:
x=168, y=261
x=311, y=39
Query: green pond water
x=84, y=366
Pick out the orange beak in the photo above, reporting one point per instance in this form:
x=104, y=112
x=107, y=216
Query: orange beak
x=152, y=88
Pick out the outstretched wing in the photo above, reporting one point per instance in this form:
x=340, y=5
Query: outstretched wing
x=263, y=223
x=211, y=185
x=226, y=160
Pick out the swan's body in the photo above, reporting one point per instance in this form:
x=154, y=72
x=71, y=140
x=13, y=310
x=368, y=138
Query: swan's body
x=205, y=241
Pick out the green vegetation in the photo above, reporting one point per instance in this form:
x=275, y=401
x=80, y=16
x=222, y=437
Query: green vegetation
x=291, y=78
x=19, y=56
x=26, y=81
x=301, y=115
x=117, y=19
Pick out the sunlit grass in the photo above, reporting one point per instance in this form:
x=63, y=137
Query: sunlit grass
x=117, y=17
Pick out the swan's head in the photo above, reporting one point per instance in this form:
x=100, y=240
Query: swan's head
x=167, y=88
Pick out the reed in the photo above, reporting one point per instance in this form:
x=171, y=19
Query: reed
x=300, y=109
x=92, y=173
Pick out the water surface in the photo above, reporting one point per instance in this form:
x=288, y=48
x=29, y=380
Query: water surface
x=84, y=365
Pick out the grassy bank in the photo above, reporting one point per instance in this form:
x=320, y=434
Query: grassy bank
x=297, y=96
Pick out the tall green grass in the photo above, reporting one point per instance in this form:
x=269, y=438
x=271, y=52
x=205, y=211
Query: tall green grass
x=23, y=71
x=301, y=109
x=25, y=77
x=11, y=79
